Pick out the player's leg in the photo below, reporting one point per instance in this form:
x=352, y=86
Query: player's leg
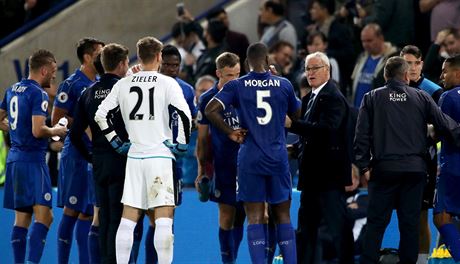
x=65, y=234
x=270, y=229
x=449, y=233
x=38, y=232
x=238, y=227
x=114, y=213
x=93, y=239
x=424, y=238
x=226, y=240
x=125, y=233
x=137, y=237
x=22, y=222
x=151, y=256
x=256, y=236
x=163, y=238
x=82, y=228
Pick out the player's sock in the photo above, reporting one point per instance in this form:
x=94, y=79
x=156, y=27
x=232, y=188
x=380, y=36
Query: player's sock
x=163, y=240
x=137, y=237
x=257, y=243
x=237, y=237
x=124, y=240
x=65, y=237
x=37, y=240
x=271, y=242
x=150, y=252
x=451, y=237
x=19, y=242
x=81, y=235
x=226, y=245
x=93, y=245
x=286, y=241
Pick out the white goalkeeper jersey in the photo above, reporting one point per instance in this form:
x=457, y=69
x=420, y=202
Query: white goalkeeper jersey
x=145, y=100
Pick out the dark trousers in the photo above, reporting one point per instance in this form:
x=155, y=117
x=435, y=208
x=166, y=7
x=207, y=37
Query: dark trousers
x=330, y=206
x=110, y=210
x=387, y=191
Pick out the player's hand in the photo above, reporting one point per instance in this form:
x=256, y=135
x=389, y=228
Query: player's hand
x=238, y=135
x=136, y=68
x=197, y=182
x=176, y=148
x=120, y=146
x=287, y=122
x=60, y=131
x=273, y=70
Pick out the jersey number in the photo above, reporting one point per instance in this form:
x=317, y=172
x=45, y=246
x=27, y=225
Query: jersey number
x=265, y=106
x=14, y=111
x=134, y=115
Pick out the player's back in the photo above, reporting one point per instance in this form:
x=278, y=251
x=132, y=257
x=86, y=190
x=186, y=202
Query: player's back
x=263, y=100
x=144, y=100
x=22, y=101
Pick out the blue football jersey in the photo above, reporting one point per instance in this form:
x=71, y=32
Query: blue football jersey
x=22, y=101
x=450, y=154
x=262, y=101
x=67, y=97
x=225, y=150
x=189, y=95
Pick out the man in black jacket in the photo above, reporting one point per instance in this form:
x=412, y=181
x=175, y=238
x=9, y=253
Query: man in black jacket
x=325, y=163
x=392, y=129
x=108, y=165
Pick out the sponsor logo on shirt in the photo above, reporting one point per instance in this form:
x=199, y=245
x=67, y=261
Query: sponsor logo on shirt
x=397, y=97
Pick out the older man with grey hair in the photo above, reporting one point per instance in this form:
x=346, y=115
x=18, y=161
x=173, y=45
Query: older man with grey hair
x=325, y=163
x=391, y=142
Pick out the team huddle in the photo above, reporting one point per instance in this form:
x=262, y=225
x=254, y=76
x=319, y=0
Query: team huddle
x=121, y=156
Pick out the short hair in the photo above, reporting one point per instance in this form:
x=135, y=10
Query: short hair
x=311, y=37
x=148, y=48
x=170, y=50
x=214, y=13
x=454, y=61
x=183, y=28
x=217, y=30
x=411, y=49
x=277, y=8
x=323, y=57
x=257, y=52
x=453, y=31
x=112, y=55
x=279, y=45
x=205, y=78
x=40, y=58
x=395, y=68
x=98, y=64
x=227, y=59
x=87, y=46
x=329, y=5
x=374, y=26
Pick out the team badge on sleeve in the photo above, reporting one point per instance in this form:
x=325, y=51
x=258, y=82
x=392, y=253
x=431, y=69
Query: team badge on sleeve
x=62, y=97
x=199, y=116
x=45, y=106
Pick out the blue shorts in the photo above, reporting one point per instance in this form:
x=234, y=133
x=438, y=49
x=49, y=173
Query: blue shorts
x=75, y=185
x=257, y=188
x=447, y=196
x=223, y=190
x=27, y=184
x=91, y=186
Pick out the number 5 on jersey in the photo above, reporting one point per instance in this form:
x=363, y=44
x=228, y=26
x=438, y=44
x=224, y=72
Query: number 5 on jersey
x=265, y=106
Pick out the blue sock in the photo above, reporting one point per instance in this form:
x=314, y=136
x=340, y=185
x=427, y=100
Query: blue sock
x=286, y=242
x=37, y=240
x=271, y=238
x=19, y=242
x=256, y=243
x=138, y=230
x=237, y=237
x=93, y=245
x=451, y=237
x=226, y=245
x=81, y=234
x=65, y=236
x=150, y=252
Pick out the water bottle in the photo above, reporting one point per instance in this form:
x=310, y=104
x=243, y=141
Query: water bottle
x=62, y=122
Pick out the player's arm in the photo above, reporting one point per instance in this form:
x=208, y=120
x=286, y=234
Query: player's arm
x=41, y=130
x=179, y=104
x=3, y=124
x=59, y=113
x=202, y=150
x=78, y=129
x=212, y=112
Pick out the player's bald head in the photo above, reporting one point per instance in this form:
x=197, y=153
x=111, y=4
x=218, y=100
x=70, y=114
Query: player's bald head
x=257, y=53
x=148, y=48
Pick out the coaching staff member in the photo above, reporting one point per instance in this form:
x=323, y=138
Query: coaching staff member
x=108, y=165
x=325, y=163
x=392, y=129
